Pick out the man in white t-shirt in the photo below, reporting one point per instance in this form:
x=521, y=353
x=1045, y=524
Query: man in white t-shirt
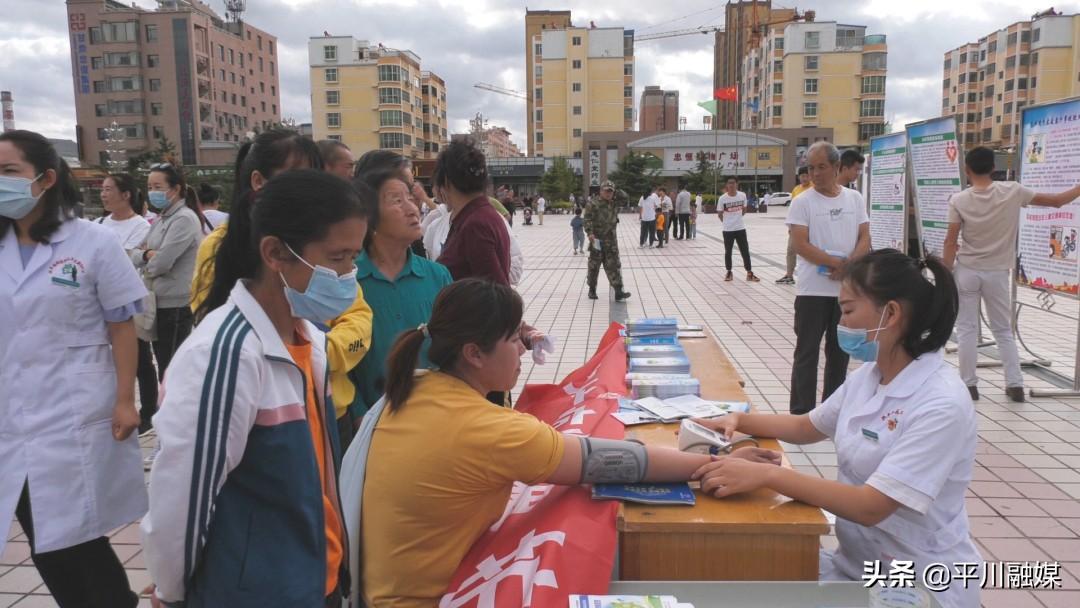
x=541, y=204
x=647, y=207
x=987, y=215
x=829, y=227
x=668, y=209
x=682, y=214
x=731, y=207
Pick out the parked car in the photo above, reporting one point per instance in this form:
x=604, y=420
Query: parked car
x=778, y=198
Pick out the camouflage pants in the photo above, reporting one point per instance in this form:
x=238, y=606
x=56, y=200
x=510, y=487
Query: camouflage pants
x=609, y=257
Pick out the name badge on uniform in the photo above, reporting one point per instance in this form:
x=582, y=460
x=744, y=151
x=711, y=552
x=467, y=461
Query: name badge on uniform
x=869, y=434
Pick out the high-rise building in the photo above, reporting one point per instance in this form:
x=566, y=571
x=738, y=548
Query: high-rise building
x=743, y=21
x=535, y=24
x=987, y=83
x=816, y=74
x=179, y=72
x=658, y=111
x=370, y=96
x=584, y=81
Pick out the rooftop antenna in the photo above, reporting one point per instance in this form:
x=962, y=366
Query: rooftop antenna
x=234, y=10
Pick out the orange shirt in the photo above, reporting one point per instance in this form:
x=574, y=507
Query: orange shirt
x=301, y=355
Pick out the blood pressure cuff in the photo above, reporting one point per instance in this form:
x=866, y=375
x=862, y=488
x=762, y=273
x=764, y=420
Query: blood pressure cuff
x=612, y=460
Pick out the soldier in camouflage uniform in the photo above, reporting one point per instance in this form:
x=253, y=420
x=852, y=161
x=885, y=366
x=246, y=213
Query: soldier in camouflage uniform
x=601, y=220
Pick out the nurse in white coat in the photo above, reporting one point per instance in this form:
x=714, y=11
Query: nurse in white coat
x=71, y=470
x=903, y=424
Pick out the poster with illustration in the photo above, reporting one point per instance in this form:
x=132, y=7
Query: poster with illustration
x=934, y=158
x=1050, y=162
x=887, y=200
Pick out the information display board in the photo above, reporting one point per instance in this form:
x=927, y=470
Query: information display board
x=934, y=158
x=887, y=200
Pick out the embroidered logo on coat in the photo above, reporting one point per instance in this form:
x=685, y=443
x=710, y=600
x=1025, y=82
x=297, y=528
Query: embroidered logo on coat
x=892, y=418
x=66, y=271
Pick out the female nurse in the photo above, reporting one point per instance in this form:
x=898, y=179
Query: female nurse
x=903, y=424
x=69, y=462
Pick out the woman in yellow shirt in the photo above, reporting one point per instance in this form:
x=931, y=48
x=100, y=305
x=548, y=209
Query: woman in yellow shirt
x=443, y=459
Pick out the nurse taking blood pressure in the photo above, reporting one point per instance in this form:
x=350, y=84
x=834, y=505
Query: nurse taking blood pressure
x=903, y=424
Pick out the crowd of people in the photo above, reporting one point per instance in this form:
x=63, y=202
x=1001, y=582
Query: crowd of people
x=340, y=307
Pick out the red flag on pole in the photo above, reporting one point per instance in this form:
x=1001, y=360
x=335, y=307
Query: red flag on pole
x=726, y=94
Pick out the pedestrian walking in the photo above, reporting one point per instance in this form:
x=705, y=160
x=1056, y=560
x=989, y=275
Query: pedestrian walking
x=732, y=207
x=600, y=223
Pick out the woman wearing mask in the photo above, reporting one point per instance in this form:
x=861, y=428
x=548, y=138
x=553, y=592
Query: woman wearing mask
x=399, y=285
x=903, y=424
x=444, y=461
x=167, y=259
x=124, y=202
x=349, y=334
x=70, y=469
x=244, y=507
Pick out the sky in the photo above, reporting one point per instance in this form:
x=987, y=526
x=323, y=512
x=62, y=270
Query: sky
x=471, y=41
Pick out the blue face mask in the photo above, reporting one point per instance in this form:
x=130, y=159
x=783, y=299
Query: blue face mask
x=854, y=343
x=158, y=198
x=16, y=196
x=327, y=295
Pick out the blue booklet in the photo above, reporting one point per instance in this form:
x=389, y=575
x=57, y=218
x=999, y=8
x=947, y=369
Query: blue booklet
x=646, y=493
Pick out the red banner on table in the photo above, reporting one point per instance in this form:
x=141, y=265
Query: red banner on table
x=552, y=541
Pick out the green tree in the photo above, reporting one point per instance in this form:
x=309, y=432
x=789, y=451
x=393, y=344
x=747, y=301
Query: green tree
x=633, y=174
x=702, y=178
x=164, y=152
x=559, y=181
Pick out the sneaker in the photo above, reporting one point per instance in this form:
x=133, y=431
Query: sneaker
x=752, y=277
x=729, y=276
x=785, y=280
x=1015, y=394
x=974, y=392
x=145, y=428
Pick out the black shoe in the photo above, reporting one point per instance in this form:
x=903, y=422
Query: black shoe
x=621, y=295
x=974, y=391
x=592, y=294
x=1015, y=394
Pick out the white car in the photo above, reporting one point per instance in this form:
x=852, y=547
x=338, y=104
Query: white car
x=778, y=198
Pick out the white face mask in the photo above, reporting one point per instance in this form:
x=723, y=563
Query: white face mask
x=17, y=198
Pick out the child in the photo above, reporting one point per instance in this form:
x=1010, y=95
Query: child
x=661, y=224
x=693, y=220
x=578, y=226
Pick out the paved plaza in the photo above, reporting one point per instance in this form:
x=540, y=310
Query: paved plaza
x=1023, y=501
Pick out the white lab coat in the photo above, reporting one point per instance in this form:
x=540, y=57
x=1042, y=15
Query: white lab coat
x=59, y=387
x=914, y=441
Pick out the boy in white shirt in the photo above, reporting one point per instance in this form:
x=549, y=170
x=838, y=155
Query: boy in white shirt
x=731, y=207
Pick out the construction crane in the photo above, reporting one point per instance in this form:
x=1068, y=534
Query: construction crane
x=500, y=90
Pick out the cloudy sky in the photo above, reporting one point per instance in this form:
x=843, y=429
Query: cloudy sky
x=470, y=41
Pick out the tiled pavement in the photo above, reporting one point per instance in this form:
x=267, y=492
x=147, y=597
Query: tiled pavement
x=1023, y=502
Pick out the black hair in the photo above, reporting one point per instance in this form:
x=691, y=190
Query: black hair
x=174, y=175
x=732, y=179
x=296, y=206
x=980, y=160
x=463, y=166
x=328, y=148
x=931, y=306
x=469, y=311
x=125, y=184
x=851, y=157
x=577, y=210
x=380, y=160
x=268, y=153
x=208, y=194
x=804, y=170
x=60, y=199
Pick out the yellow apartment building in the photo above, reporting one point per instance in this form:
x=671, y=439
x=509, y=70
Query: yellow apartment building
x=535, y=24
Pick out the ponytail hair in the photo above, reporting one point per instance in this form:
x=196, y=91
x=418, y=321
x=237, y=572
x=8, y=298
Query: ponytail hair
x=59, y=200
x=470, y=311
x=125, y=184
x=174, y=176
x=930, y=306
x=269, y=153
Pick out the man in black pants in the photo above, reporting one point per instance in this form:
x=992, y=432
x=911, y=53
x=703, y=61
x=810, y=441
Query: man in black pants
x=647, y=209
x=731, y=206
x=829, y=227
x=682, y=213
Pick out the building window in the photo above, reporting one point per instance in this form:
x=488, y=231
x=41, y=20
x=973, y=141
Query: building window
x=101, y=110
x=577, y=132
x=628, y=92
x=777, y=66
x=151, y=33
x=155, y=84
x=394, y=141
x=156, y=109
x=1036, y=34
x=872, y=107
x=159, y=132
x=538, y=49
x=868, y=131
x=576, y=87
x=576, y=41
x=263, y=105
x=333, y=120
x=987, y=134
x=847, y=38
x=777, y=111
x=232, y=57
x=874, y=61
x=577, y=110
x=96, y=63
x=809, y=109
x=988, y=112
x=329, y=53
x=390, y=95
x=992, y=47
x=778, y=44
x=258, y=42
x=1025, y=60
x=813, y=40
x=538, y=71
x=539, y=94
x=1009, y=85
x=1011, y=39
x=539, y=116
x=1025, y=36
x=875, y=85
x=330, y=75
x=389, y=118
x=539, y=137
x=778, y=88
x=260, y=64
x=989, y=92
x=1022, y=83
x=971, y=98
x=810, y=86
x=389, y=73
x=122, y=59
x=1010, y=62
x=152, y=61
x=628, y=114
x=333, y=98
x=232, y=77
x=628, y=69
x=576, y=64
x=810, y=63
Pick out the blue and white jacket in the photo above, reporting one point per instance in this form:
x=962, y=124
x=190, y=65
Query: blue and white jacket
x=236, y=503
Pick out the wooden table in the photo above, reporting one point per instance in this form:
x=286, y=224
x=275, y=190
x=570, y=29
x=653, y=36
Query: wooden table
x=759, y=536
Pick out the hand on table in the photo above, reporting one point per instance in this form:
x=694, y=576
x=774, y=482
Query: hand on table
x=731, y=475
x=725, y=425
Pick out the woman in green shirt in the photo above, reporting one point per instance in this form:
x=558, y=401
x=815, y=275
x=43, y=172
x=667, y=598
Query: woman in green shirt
x=399, y=285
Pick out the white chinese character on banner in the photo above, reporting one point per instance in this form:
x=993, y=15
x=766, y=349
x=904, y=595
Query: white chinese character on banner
x=581, y=393
x=522, y=500
x=522, y=562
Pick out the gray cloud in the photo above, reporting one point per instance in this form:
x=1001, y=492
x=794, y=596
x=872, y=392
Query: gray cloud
x=469, y=42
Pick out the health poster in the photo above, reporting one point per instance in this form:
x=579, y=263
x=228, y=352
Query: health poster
x=1050, y=163
x=935, y=168
x=887, y=198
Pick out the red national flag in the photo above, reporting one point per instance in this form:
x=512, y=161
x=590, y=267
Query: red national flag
x=727, y=94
